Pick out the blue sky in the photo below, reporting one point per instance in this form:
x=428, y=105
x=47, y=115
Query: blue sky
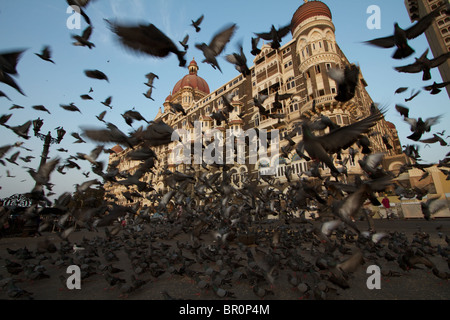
x=30, y=24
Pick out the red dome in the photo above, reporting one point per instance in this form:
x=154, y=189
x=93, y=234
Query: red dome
x=308, y=10
x=192, y=80
x=117, y=149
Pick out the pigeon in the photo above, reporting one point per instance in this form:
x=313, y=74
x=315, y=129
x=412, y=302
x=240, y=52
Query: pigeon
x=146, y=39
x=419, y=127
x=404, y=111
x=8, y=66
x=184, y=42
x=78, y=137
x=196, y=23
x=275, y=35
x=41, y=108
x=46, y=54
x=107, y=102
x=413, y=95
x=101, y=116
x=15, y=106
x=12, y=159
x=2, y=94
x=401, y=36
x=176, y=107
x=401, y=89
x=431, y=207
x=83, y=40
x=435, y=88
x=424, y=65
x=148, y=94
x=71, y=107
x=319, y=148
x=86, y=97
x=435, y=139
x=346, y=80
x=96, y=74
x=150, y=78
x=110, y=134
x=239, y=61
x=255, y=50
x=22, y=130
x=217, y=45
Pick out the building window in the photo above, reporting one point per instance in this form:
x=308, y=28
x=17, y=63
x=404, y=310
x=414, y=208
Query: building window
x=317, y=69
x=333, y=90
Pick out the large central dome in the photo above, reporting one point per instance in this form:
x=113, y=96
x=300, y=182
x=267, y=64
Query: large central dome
x=192, y=80
x=308, y=10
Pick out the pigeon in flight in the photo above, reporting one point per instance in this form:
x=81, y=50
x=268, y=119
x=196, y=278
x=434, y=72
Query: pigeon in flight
x=196, y=23
x=435, y=88
x=413, y=95
x=401, y=36
x=419, y=127
x=107, y=102
x=146, y=39
x=96, y=74
x=404, y=111
x=239, y=61
x=401, y=89
x=83, y=40
x=346, y=80
x=255, y=50
x=8, y=66
x=319, y=148
x=46, y=54
x=275, y=35
x=423, y=64
x=184, y=42
x=217, y=45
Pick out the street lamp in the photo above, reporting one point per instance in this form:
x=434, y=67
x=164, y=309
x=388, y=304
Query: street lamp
x=48, y=139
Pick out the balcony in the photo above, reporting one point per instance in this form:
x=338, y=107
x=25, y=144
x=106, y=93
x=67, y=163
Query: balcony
x=329, y=98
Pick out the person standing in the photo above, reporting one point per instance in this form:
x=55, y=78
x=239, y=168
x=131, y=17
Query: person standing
x=387, y=205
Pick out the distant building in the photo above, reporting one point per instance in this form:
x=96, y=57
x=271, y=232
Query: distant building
x=299, y=67
x=438, y=35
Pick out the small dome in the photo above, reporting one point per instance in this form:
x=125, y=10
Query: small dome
x=308, y=10
x=117, y=149
x=391, y=125
x=192, y=80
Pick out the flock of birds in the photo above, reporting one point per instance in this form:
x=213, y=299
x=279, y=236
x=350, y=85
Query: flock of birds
x=244, y=248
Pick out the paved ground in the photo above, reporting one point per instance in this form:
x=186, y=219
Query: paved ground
x=419, y=284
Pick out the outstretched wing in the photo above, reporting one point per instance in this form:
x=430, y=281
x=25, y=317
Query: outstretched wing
x=221, y=38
